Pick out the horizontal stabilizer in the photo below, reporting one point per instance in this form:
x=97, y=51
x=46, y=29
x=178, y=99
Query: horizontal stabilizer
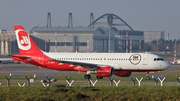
x=22, y=57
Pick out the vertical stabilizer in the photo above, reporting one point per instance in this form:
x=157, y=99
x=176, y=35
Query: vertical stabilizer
x=25, y=43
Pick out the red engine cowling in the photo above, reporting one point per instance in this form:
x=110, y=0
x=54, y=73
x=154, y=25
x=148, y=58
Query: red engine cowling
x=122, y=73
x=104, y=71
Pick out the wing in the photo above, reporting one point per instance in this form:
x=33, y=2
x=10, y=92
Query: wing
x=82, y=64
x=90, y=65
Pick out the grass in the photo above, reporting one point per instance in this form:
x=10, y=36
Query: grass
x=77, y=93
x=171, y=77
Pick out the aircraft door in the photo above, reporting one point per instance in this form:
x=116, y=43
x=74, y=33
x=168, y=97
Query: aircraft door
x=145, y=59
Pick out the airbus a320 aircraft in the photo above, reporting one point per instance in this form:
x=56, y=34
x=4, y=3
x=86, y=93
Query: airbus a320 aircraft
x=101, y=64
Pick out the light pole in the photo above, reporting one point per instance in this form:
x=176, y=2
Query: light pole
x=65, y=42
x=47, y=40
x=140, y=45
x=127, y=41
x=87, y=45
x=109, y=39
x=56, y=40
x=157, y=46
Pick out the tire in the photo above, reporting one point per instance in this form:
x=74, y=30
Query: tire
x=87, y=76
x=99, y=77
x=148, y=78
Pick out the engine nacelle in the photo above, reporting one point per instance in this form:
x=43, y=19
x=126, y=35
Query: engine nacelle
x=122, y=73
x=104, y=71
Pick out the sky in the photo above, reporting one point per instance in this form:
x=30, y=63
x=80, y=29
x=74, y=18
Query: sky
x=143, y=15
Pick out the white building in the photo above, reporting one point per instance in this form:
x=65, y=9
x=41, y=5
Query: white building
x=149, y=36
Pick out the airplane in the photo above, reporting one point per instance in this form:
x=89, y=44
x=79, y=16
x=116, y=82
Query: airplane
x=5, y=60
x=101, y=64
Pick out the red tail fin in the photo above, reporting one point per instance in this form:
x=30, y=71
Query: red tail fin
x=25, y=43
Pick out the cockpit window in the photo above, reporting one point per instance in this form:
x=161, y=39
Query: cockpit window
x=158, y=59
x=161, y=59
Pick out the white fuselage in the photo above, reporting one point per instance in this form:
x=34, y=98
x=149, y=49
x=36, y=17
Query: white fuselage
x=120, y=61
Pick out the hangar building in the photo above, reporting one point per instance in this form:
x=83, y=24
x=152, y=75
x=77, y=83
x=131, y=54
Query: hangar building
x=108, y=33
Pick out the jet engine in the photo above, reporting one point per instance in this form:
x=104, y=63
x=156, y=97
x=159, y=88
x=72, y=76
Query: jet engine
x=104, y=71
x=122, y=73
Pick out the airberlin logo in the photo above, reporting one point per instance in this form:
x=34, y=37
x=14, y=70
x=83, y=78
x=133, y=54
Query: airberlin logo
x=135, y=59
x=23, y=39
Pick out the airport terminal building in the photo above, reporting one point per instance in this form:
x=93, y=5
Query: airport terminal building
x=108, y=35
x=88, y=39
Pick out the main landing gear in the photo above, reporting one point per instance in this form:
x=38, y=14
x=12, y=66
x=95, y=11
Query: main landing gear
x=88, y=76
x=99, y=77
x=148, y=76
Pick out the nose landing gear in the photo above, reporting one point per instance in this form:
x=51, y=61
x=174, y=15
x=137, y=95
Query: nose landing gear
x=148, y=75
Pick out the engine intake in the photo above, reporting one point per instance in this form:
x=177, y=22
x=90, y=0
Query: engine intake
x=122, y=73
x=104, y=71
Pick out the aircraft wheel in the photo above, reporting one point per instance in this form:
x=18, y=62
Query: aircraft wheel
x=148, y=78
x=99, y=77
x=87, y=76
